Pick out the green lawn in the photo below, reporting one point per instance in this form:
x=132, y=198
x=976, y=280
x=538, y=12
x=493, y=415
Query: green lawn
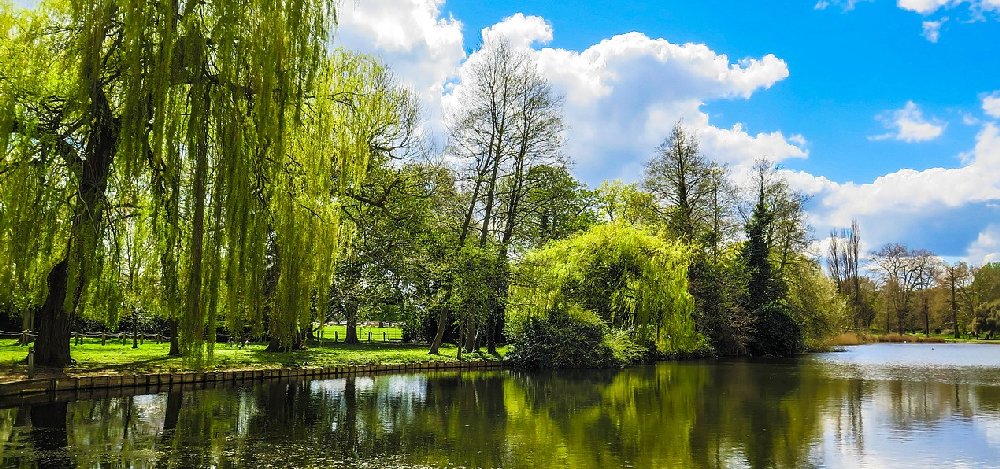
x=151, y=357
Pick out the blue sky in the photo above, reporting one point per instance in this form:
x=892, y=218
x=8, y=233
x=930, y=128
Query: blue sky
x=884, y=111
x=846, y=66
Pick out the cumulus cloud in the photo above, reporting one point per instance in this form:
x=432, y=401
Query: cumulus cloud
x=991, y=105
x=423, y=48
x=520, y=31
x=623, y=95
x=986, y=247
x=899, y=204
x=909, y=125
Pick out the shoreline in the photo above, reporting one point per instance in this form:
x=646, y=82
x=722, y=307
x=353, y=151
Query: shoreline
x=28, y=391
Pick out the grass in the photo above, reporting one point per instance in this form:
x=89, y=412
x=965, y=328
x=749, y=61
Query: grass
x=339, y=331
x=852, y=338
x=150, y=357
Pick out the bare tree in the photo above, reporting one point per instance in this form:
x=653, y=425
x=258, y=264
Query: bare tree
x=905, y=273
x=843, y=261
x=510, y=122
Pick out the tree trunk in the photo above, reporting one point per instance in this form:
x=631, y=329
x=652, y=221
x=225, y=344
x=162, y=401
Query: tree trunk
x=954, y=311
x=27, y=324
x=498, y=311
x=927, y=318
x=175, y=349
x=194, y=311
x=52, y=344
x=135, y=330
x=442, y=326
x=352, y=323
x=86, y=229
x=471, y=336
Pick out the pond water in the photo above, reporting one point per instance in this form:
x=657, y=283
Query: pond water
x=870, y=406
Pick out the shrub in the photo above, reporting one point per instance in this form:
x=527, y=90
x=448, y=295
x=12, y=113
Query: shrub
x=777, y=333
x=567, y=339
x=623, y=277
x=624, y=349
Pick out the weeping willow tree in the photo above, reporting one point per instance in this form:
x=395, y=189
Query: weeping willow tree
x=189, y=155
x=359, y=118
x=633, y=281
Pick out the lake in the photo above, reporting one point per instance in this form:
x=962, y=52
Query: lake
x=874, y=406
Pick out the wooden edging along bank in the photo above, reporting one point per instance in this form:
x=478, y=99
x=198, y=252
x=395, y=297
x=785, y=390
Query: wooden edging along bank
x=50, y=386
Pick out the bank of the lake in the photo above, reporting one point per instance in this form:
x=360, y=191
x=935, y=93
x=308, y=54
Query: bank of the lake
x=879, y=405
x=117, y=361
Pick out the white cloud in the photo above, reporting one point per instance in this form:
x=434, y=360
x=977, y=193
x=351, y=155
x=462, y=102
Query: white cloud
x=625, y=93
x=932, y=30
x=986, y=247
x=622, y=95
x=423, y=49
x=975, y=11
x=892, y=206
x=927, y=7
x=520, y=31
x=924, y=7
x=845, y=5
x=909, y=125
x=969, y=119
x=991, y=105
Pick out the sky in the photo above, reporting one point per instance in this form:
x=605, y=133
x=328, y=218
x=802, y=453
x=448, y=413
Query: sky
x=883, y=111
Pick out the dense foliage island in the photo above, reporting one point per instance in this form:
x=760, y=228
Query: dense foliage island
x=215, y=172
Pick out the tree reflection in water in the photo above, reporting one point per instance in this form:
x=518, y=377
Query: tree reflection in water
x=719, y=414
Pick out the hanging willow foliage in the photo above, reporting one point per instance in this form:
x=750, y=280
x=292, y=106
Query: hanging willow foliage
x=227, y=134
x=632, y=280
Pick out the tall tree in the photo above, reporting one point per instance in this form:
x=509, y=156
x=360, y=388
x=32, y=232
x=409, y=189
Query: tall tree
x=776, y=235
x=695, y=198
x=556, y=206
x=906, y=273
x=688, y=186
x=510, y=122
x=956, y=278
x=227, y=119
x=843, y=262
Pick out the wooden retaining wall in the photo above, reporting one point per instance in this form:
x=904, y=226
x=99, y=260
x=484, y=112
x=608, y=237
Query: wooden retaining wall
x=85, y=387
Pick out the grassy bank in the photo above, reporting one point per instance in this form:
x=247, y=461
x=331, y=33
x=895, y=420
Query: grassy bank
x=92, y=357
x=852, y=338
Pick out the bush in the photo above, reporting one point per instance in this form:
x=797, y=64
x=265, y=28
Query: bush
x=575, y=339
x=625, y=350
x=622, y=277
x=777, y=333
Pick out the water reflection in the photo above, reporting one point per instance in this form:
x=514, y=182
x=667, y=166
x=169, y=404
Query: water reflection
x=839, y=410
